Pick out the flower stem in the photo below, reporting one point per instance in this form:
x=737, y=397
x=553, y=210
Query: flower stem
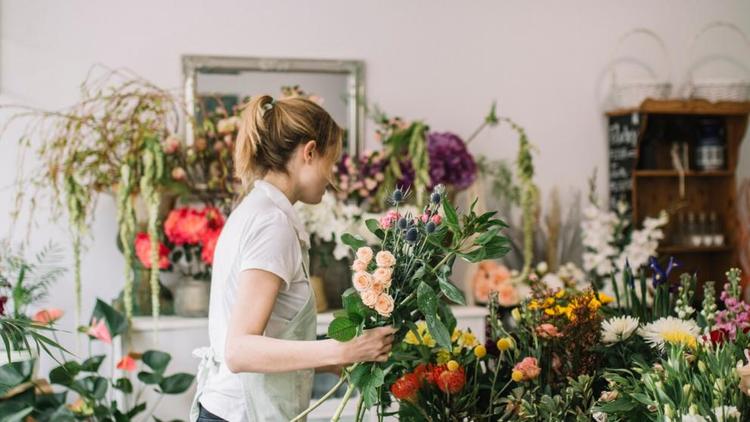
x=325, y=397
x=342, y=405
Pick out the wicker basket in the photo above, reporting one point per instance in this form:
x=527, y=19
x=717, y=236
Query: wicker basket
x=630, y=94
x=717, y=89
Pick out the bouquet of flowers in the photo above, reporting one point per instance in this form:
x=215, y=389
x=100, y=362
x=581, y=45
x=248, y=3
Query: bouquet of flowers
x=191, y=239
x=405, y=279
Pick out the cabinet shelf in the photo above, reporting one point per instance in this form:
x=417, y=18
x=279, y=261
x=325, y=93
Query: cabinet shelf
x=686, y=249
x=675, y=173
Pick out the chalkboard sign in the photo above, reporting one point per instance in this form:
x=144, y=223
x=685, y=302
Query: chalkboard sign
x=623, y=143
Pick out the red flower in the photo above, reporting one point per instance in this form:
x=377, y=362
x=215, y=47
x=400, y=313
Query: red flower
x=143, y=251
x=424, y=373
x=450, y=382
x=214, y=217
x=3, y=301
x=127, y=363
x=209, y=245
x=185, y=225
x=406, y=387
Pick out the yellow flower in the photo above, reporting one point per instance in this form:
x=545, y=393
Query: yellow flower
x=452, y=365
x=549, y=302
x=517, y=376
x=468, y=339
x=480, y=351
x=560, y=294
x=604, y=299
x=594, y=305
x=680, y=338
x=443, y=356
x=551, y=311
x=411, y=338
x=457, y=350
x=516, y=314
x=533, y=305
x=427, y=340
x=505, y=343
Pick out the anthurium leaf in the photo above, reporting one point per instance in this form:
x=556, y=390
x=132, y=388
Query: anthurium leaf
x=92, y=364
x=177, y=383
x=156, y=360
x=65, y=373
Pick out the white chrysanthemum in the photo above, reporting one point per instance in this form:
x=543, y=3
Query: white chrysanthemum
x=727, y=414
x=670, y=330
x=618, y=329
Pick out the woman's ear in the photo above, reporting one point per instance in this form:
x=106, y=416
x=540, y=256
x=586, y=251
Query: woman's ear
x=308, y=151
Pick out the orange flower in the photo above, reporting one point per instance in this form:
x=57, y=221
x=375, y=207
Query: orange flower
x=127, y=363
x=48, y=316
x=143, y=251
x=406, y=387
x=528, y=368
x=547, y=331
x=450, y=382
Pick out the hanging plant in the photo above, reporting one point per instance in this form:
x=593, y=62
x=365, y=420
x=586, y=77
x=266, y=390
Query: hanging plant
x=109, y=142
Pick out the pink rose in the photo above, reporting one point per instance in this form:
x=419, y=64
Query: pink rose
x=171, y=145
x=384, y=305
x=385, y=259
x=437, y=219
x=359, y=266
x=529, y=368
x=370, y=298
x=547, y=331
x=364, y=254
x=362, y=281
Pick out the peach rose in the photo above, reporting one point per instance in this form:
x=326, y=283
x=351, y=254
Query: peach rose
x=385, y=259
x=364, y=254
x=362, y=281
x=359, y=265
x=384, y=305
x=507, y=295
x=377, y=286
x=547, y=331
x=384, y=275
x=370, y=298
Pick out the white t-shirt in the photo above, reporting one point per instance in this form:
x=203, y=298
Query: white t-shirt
x=263, y=232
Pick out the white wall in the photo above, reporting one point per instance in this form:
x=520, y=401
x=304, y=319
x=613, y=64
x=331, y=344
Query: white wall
x=444, y=61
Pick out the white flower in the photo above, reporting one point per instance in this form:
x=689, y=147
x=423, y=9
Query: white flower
x=670, y=330
x=693, y=418
x=600, y=416
x=618, y=329
x=552, y=281
x=727, y=414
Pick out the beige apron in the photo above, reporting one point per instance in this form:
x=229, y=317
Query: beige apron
x=275, y=396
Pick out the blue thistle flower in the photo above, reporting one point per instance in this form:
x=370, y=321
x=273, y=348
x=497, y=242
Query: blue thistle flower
x=412, y=235
x=430, y=227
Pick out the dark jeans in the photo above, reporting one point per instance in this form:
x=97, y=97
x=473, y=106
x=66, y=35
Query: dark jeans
x=206, y=416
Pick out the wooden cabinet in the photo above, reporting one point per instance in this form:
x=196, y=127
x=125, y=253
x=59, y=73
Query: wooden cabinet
x=655, y=164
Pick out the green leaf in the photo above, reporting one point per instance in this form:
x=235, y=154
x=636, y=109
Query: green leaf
x=352, y=242
x=15, y=411
x=342, y=329
x=353, y=305
x=116, y=322
x=149, y=378
x=156, y=360
x=92, y=364
x=177, y=383
x=451, y=217
x=374, y=227
x=65, y=373
x=439, y=331
x=426, y=299
x=136, y=410
x=446, y=315
x=451, y=292
x=14, y=374
x=124, y=385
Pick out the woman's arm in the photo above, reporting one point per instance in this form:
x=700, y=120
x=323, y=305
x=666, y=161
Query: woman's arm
x=248, y=350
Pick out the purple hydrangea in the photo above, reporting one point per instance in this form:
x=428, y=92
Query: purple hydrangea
x=450, y=161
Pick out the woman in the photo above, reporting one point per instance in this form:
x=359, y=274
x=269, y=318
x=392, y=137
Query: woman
x=262, y=320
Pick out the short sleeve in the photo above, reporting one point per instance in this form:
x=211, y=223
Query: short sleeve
x=272, y=245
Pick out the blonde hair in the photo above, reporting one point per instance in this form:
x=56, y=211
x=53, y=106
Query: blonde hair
x=270, y=131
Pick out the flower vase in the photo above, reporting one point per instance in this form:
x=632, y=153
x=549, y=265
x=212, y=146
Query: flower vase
x=192, y=298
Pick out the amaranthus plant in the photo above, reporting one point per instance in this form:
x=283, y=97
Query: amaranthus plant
x=405, y=278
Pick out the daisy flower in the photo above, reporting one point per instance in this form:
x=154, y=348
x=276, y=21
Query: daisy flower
x=670, y=330
x=618, y=329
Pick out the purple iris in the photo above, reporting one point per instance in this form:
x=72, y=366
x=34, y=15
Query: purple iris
x=450, y=161
x=661, y=275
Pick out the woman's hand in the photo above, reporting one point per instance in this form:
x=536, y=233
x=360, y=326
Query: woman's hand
x=373, y=345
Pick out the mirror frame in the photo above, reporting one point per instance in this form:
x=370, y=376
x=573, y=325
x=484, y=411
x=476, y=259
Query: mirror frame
x=192, y=64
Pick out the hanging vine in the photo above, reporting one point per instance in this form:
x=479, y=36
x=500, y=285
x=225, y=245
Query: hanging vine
x=126, y=223
x=153, y=171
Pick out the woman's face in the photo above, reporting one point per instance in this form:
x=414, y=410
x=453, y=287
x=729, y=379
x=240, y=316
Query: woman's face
x=314, y=174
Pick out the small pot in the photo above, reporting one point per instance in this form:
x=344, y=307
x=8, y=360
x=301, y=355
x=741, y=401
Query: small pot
x=192, y=298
